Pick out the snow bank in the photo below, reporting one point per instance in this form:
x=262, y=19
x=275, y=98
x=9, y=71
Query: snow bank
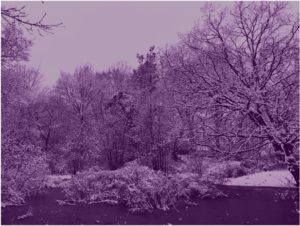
x=277, y=178
x=54, y=181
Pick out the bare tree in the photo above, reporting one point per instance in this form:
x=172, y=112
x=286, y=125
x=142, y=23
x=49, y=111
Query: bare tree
x=245, y=63
x=15, y=15
x=14, y=45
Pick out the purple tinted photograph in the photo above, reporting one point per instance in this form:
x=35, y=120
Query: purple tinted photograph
x=149, y=113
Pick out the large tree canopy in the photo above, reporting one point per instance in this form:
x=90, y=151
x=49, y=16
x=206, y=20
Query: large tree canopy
x=244, y=64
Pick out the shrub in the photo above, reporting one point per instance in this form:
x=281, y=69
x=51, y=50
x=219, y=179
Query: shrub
x=23, y=171
x=138, y=187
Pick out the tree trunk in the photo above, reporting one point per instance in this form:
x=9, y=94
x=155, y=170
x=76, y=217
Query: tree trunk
x=284, y=151
x=174, y=150
x=217, y=121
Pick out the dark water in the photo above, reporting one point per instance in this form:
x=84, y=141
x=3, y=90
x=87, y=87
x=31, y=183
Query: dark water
x=245, y=205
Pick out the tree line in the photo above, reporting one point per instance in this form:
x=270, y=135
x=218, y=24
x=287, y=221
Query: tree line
x=228, y=89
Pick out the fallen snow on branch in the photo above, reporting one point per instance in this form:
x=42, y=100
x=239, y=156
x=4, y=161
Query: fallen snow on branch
x=277, y=178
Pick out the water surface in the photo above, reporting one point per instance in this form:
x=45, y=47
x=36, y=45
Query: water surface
x=245, y=205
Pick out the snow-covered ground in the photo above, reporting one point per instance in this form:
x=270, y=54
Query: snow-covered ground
x=54, y=181
x=277, y=178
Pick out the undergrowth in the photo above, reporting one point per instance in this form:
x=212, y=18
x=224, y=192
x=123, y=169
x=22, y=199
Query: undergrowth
x=137, y=187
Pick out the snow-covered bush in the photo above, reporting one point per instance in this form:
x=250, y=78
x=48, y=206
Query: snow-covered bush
x=138, y=187
x=23, y=171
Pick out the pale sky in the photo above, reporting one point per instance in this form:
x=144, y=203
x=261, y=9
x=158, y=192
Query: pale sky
x=104, y=33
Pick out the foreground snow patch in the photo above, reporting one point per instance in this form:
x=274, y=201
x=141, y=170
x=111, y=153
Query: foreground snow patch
x=277, y=178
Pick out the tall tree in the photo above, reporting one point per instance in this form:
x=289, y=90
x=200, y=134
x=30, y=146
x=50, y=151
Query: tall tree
x=78, y=91
x=247, y=61
x=155, y=116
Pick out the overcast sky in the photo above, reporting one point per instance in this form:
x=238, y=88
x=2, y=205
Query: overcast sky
x=103, y=33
